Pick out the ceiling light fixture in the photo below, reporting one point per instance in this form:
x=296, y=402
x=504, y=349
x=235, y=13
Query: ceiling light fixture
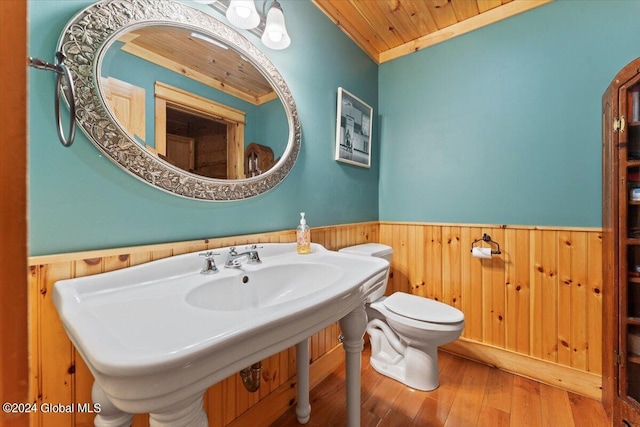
x=275, y=31
x=243, y=14
x=268, y=25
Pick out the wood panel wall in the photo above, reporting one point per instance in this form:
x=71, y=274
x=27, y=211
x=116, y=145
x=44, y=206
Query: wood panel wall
x=60, y=376
x=535, y=310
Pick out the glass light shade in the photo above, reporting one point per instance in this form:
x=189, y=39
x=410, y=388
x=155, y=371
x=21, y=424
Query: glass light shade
x=243, y=14
x=275, y=32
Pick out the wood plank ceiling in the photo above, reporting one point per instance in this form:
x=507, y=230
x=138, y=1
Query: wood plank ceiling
x=388, y=29
x=200, y=58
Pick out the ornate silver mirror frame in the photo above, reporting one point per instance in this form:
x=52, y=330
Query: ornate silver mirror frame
x=85, y=40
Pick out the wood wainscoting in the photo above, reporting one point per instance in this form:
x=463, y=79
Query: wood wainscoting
x=59, y=376
x=534, y=310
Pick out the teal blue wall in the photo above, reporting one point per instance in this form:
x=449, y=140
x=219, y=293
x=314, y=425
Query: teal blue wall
x=503, y=125
x=79, y=200
x=500, y=126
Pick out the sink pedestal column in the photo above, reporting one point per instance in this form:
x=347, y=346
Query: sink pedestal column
x=353, y=326
x=109, y=415
x=185, y=414
x=303, y=409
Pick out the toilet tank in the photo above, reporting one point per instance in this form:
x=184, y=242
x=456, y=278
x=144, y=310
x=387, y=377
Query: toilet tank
x=376, y=250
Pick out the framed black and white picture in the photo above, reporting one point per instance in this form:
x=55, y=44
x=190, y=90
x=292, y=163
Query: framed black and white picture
x=353, y=130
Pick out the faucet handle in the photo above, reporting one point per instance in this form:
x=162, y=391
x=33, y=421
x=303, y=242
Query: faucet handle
x=209, y=263
x=232, y=250
x=208, y=254
x=253, y=247
x=253, y=256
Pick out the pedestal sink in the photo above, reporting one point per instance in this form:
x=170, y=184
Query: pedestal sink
x=157, y=335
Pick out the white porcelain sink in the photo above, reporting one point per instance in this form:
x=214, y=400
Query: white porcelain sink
x=157, y=335
x=263, y=286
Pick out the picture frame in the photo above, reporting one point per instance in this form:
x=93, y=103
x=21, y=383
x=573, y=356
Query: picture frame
x=354, y=125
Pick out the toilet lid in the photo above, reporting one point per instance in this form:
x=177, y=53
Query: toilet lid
x=424, y=309
x=369, y=249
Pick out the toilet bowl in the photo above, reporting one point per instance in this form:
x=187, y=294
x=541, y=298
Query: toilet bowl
x=406, y=330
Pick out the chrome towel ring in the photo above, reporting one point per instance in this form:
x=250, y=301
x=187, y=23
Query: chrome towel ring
x=64, y=82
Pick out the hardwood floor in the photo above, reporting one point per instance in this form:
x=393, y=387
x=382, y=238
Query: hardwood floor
x=470, y=394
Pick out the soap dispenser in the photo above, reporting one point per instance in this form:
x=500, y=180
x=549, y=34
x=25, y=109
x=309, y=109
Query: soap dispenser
x=303, y=234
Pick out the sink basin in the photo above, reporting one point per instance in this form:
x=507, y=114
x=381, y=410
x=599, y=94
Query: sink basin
x=159, y=334
x=262, y=287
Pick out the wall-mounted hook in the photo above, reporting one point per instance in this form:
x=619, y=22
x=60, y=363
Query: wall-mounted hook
x=64, y=82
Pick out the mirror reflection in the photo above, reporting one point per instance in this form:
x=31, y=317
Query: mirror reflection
x=194, y=102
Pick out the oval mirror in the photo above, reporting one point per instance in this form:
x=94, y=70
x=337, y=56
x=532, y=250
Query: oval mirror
x=180, y=100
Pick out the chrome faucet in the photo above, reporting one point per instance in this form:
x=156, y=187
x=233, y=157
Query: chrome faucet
x=209, y=263
x=234, y=259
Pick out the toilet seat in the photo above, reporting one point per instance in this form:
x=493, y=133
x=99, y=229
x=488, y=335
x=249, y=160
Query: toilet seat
x=425, y=304
x=423, y=309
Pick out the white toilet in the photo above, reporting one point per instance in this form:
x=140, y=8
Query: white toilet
x=406, y=330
